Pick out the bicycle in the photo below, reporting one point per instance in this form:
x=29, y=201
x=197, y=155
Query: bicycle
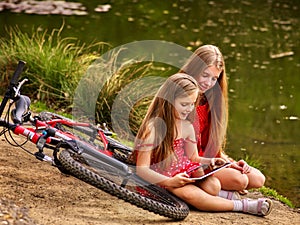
x=83, y=150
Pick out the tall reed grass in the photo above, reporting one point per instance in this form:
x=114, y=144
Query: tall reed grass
x=54, y=64
x=119, y=92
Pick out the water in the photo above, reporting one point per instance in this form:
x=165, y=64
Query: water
x=260, y=40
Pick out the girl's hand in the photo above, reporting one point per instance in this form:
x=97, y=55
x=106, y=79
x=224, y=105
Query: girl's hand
x=216, y=162
x=242, y=166
x=179, y=180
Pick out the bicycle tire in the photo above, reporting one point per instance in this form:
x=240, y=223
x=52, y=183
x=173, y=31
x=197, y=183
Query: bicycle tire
x=120, y=151
x=111, y=180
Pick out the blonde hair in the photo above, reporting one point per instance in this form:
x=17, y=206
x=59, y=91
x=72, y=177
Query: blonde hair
x=206, y=56
x=161, y=116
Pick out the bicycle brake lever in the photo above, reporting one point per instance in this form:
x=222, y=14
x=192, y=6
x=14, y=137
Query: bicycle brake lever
x=17, y=90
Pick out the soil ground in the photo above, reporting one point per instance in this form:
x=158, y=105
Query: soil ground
x=36, y=191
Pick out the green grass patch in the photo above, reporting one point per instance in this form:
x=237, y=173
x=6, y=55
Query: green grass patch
x=273, y=193
x=39, y=107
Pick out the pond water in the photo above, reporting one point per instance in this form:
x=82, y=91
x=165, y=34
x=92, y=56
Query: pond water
x=260, y=40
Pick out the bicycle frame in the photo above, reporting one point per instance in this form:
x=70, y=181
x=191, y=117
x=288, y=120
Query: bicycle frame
x=100, y=132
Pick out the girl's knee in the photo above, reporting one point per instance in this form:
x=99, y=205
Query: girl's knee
x=238, y=182
x=241, y=181
x=232, y=179
x=211, y=185
x=261, y=180
x=257, y=181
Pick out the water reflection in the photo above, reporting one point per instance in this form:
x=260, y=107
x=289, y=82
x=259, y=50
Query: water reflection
x=260, y=40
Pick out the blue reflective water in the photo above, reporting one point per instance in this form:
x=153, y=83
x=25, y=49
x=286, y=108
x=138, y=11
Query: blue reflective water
x=260, y=40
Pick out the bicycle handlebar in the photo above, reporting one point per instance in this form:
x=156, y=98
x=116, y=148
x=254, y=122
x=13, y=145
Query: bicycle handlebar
x=17, y=73
x=10, y=91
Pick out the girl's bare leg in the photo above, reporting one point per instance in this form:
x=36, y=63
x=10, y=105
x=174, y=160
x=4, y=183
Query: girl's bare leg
x=256, y=178
x=210, y=185
x=198, y=198
x=232, y=179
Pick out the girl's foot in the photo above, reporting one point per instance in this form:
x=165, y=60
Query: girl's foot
x=260, y=207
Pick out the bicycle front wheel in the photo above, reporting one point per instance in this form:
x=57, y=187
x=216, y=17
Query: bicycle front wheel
x=119, y=180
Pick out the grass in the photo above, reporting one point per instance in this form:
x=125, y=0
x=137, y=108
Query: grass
x=273, y=193
x=54, y=64
x=254, y=162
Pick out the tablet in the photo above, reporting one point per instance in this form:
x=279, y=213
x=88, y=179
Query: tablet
x=212, y=172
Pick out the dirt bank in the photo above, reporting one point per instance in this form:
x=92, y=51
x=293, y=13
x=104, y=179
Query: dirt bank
x=52, y=198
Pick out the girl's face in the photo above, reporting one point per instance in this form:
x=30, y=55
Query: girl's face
x=185, y=105
x=208, y=78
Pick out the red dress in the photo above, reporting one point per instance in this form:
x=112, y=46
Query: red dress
x=201, y=125
x=202, y=129
x=177, y=166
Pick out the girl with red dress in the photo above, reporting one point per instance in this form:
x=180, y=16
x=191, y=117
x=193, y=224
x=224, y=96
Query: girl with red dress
x=166, y=148
x=207, y=66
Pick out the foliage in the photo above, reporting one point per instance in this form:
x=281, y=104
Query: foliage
x=120, y=90
x=254, y=162
x=273, y=193
x=54, y=64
